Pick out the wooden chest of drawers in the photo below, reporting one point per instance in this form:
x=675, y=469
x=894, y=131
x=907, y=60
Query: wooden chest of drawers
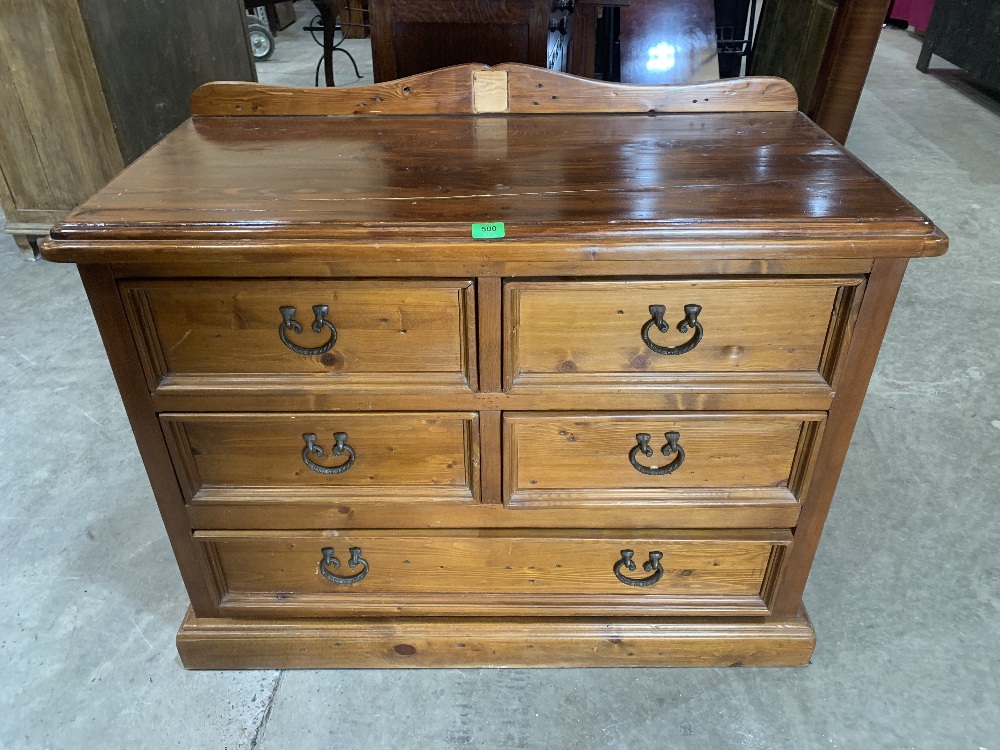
x=608, y=436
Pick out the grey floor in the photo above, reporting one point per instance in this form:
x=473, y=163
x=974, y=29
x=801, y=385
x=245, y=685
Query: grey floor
x=905, y=593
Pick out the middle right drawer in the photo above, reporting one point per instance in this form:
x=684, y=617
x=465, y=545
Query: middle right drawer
x=702, y=333
x=683, y=459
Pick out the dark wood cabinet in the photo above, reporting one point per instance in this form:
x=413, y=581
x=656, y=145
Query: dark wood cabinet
x=410, y=37
x=825, y=48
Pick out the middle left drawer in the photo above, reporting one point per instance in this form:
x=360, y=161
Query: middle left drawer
x=374, y=335
x=373, y=456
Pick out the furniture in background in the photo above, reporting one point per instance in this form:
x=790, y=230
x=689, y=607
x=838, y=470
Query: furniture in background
x=411, y=37
x=824, y=48
x=593, y=42
x=668, y=41
x=915, y=13
x=735, y=25
x=280, y=15
x=268, y=18
x=332, y=14
x=329, y=12
x=86, y=86
x=792, y=40
x=455, y=387
x=354, y=19
x=966, y=33
x=683, y=28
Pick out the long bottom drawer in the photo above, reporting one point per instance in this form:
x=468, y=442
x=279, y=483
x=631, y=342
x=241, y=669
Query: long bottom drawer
x=482, y=572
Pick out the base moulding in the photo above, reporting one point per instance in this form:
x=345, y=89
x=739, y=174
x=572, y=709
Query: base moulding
x=217, y=643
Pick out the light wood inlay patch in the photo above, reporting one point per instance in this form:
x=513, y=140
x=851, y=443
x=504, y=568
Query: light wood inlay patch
x=489, y=91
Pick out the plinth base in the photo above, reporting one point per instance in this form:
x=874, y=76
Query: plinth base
x=215, y=643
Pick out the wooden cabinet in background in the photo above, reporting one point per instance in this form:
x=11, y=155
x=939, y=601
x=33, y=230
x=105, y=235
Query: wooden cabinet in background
x=825, y=48
x=411, y=37
x=86, y=86
x=608, y=436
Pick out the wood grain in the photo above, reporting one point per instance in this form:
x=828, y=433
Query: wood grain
x=722, y=392
x=87, y=85
x=489, y=334
x=229, y=329
x=490, y=453
x=283, y=509
x=580, y=332
x=682, y=254
x=484, y=573
x=846, y=61
x=407, y=457
x=581, y=52
x=338, y=265
x=411, y=38
x=515, y=642
x=530, y=90
x=581, y=458
x=303, y=179
x=489, y=91
x=791, y=42
x=147, y=85
x=58, y=144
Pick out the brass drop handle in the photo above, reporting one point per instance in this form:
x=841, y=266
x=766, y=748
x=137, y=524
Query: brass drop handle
x=355, y=561
x=289, y=323
x=690, y=321
x=650, y=566
x=340, y=447
x=671, y=447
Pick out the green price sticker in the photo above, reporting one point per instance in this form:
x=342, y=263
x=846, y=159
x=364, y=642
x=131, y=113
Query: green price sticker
x=493, y=230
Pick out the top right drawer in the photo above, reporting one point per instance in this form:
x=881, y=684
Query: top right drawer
x=778, y=331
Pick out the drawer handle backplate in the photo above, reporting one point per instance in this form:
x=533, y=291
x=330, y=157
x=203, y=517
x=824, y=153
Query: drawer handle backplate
x=650, y=566
x=672, y=447
x=690, y=321
x=355, y=561
x=340, y=447
x=289, y=323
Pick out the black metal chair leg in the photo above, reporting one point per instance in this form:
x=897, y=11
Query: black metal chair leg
x=351, y=58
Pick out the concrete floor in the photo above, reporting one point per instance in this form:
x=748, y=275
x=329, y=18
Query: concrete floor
x=905, y=593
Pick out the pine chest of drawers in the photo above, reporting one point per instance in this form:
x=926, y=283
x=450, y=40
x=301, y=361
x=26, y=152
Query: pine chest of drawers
x=494, y=366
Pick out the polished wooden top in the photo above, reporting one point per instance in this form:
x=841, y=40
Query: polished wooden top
x=553, y=179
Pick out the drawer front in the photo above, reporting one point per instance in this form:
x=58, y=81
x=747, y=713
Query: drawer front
x=374, y=334
x=322, y=456
x=647, y=332
x=695, y=458
x=382, y=572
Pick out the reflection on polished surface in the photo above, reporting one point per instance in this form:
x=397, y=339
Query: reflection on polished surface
x=650, y=174
x=668, y=41
x=662, y=58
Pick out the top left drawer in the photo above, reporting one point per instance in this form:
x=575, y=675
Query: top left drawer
x=256, y=333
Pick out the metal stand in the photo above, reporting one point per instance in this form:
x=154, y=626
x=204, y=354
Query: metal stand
x=326, y=21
